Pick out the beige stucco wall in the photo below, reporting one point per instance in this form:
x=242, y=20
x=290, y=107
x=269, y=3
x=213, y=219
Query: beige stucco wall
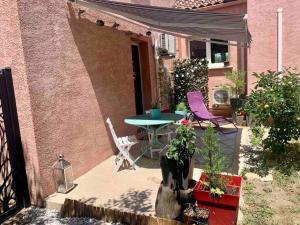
x=262, y=21
x=70, y=75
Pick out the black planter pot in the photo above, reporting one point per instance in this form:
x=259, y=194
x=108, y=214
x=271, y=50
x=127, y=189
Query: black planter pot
x=173, y=192
x=176, y=175
x=237, y=103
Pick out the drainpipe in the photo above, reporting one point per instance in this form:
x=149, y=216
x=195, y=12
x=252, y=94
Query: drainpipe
x=279, y=39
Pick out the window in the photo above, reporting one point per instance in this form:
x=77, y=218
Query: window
x=219, y=53
x=197, y=49
x=216, y=54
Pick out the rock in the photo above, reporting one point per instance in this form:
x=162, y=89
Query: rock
x=268, y=178
x=242, y=202
x=240, y=218
x=252, y=176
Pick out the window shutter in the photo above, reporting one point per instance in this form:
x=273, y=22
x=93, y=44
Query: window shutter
x=162, y=43
x=172, y=44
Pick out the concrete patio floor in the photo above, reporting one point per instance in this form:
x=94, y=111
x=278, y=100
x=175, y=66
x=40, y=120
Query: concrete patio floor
x=135, y=190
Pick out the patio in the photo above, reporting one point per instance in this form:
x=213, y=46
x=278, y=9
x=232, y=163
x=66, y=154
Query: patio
x=135, y=190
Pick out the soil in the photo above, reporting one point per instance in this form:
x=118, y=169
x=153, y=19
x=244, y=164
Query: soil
x=275, y=202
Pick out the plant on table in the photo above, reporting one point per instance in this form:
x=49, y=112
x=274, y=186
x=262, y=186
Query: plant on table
x=214, y=164
x=181, y=107
x=275, y=104
x=155, y=110
x=155, y=104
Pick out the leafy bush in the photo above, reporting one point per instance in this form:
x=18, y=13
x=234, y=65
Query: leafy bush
x=237, y=82
x=275, y=104
x=190, y=75
x=181, y=107
x=183, y=146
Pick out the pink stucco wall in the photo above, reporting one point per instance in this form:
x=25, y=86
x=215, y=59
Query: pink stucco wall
x=70, y=75
x=262, y=20
x=216, y=75
x=11, y=55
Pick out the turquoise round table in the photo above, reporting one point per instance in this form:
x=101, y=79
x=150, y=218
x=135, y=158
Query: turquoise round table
x=153, y=125
x=146, y=121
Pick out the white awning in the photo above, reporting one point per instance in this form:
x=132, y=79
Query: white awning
x=194, y=24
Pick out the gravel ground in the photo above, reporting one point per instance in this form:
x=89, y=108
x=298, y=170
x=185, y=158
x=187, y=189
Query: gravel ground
x=37, y=216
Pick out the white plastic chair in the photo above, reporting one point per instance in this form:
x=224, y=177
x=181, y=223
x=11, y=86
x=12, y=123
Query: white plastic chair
x=124, y=145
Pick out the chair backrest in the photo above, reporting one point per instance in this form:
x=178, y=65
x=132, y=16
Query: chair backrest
x=197, y=104
x=112, y=131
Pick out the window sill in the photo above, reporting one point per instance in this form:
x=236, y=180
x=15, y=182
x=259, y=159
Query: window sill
x=210, y=67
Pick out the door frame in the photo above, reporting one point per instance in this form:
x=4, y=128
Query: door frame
x=141, y=74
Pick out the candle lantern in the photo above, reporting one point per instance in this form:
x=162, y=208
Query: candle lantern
x=63, y=175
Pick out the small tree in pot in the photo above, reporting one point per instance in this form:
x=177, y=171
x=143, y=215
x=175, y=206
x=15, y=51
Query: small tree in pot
x=214, y=187
x=236, y=87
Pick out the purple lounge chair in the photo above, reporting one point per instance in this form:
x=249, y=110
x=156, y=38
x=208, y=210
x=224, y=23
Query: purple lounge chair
x=200, y=112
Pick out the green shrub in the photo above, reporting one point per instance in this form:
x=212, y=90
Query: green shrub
x=237, y=82
x=190, y=75
x=275, y=104
x=181, y=107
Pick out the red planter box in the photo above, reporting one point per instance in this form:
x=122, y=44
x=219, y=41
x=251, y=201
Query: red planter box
x=226, y=199
x=223, y=211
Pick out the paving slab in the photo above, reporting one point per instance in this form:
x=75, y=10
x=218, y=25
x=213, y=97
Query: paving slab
x=132, y=190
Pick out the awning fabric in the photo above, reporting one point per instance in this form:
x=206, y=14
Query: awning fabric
x=195, y=24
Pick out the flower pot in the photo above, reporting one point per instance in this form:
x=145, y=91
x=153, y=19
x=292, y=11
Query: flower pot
x=240, y=121
x=236, y=103
x=223, y=210
x=228, y=200
x=155, y=113
x=188, y=219
x=195, y=215
x=173, y=174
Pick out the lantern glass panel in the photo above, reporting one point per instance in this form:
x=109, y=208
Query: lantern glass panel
x=63, y=175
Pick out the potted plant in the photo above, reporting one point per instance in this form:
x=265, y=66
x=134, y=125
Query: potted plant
x=192, y=214
x=178, y=161
x=213, y=187
x=181, y=109
x=236, y=88
x=155, y=111
x=177, y=167
x=240, y=118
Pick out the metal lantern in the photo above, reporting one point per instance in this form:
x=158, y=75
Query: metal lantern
x=63, y=175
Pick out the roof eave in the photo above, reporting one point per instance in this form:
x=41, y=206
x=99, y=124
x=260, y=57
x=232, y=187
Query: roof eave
x=222, y=5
